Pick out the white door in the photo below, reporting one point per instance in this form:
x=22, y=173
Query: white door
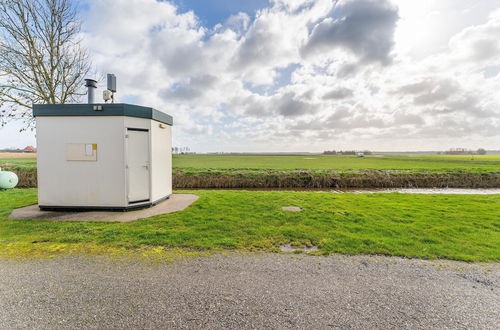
x=138, y=165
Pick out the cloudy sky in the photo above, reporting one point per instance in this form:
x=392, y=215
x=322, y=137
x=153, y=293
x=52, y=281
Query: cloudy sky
x=304, y=75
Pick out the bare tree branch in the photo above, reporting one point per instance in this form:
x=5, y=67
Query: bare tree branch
x=42, y=59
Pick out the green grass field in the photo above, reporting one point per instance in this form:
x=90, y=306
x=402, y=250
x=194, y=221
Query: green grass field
x=323, y=162
x=460, y=227
x=18, y=162
x=477, y=163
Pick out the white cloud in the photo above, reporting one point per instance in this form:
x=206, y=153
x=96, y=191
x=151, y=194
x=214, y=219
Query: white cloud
x=366, y=28
x=479, y=43
x=303, y=75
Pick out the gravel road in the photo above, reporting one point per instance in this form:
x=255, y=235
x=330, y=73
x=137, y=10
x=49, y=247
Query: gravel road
x=249, y=291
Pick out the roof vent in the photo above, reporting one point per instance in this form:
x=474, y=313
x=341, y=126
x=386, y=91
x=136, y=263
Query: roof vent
x=91, y=84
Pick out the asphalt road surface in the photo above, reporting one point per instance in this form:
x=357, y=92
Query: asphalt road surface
x=249, y=291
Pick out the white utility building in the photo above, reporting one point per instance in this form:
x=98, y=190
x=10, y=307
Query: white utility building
x=102, y=156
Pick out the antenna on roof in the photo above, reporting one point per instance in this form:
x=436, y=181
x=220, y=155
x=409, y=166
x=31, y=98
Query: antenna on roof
x=108, y=94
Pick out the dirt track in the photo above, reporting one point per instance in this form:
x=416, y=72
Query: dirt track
x=17, y=155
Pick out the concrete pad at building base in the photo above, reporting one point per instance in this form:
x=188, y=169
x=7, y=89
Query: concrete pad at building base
x=176, y=202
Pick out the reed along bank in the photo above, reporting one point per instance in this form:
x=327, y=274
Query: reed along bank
x=215, y=179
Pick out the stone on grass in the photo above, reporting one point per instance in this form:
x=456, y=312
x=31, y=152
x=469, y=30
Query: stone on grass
x=291, y=208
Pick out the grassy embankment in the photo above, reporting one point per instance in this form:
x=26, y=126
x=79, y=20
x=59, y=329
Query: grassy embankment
x=317, y=171
x=422, y=226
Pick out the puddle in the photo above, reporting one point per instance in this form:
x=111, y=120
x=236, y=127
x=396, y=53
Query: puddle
x=290, y=248
x=454, y=191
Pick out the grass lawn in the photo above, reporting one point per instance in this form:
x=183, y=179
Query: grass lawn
x=460, y=227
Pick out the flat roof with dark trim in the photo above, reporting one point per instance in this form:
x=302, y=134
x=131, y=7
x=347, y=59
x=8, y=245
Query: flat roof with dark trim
x=108, y=109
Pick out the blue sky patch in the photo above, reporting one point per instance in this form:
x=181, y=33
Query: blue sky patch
x=213, y=12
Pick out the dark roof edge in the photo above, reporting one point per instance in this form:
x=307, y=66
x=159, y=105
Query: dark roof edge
x=108, y=109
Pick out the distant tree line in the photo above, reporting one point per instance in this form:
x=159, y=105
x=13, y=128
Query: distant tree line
x=346, y=152
x=463, y=151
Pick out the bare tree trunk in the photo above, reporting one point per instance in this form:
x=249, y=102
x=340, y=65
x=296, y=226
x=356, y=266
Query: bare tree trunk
x=41, y=56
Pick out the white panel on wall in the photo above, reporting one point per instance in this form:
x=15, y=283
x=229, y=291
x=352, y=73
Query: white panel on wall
x=81, y=151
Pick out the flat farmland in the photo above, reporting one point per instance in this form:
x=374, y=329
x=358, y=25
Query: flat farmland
x=334, y=162
x=311, y=162
x=23, y=155
x=9, y=159
x=316, y=171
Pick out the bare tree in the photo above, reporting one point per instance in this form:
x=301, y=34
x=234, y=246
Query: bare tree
x=41, y=56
